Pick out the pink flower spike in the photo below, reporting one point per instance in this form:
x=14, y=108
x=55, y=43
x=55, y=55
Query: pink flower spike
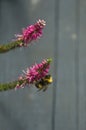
x=37, y=71
x=32, y=32
x=34, y=73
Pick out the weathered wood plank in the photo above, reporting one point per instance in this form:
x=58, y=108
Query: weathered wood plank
x=82, y=66
x=66, y=103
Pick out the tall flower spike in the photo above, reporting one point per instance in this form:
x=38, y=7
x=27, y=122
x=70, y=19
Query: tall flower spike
x=31, y=33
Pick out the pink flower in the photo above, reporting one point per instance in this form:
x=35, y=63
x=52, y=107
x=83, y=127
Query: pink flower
x=32, y=32
x=37, y=71
x=34, y=74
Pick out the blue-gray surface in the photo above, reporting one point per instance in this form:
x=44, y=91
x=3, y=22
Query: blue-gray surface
x=63, y=105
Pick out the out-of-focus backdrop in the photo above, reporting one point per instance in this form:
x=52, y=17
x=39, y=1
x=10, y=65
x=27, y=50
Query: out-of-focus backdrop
x=63, y=105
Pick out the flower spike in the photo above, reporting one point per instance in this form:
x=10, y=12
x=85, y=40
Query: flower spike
x=32, y=32
x=29, y=34
x=35, y=73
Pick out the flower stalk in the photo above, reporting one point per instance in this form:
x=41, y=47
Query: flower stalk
x=10, y=85
x=7, y=47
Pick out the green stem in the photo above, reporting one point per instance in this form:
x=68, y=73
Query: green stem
x=10, y=85
x=7, y=47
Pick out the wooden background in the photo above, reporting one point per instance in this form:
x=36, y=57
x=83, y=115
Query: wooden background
x=63, y=105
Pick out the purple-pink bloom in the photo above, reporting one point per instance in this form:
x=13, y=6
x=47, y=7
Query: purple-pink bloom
x=34, y=73
x=37, y=71
x=32, y=32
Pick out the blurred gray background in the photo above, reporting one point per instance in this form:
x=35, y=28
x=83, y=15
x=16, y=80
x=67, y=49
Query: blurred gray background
x=63, y=105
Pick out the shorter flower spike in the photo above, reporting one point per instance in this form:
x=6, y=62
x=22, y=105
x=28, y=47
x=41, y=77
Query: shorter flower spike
x=31, y=33
x=35, y=73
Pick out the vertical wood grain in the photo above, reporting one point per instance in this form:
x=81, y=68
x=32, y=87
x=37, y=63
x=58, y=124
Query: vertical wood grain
x=82, y=67
x=66, y=99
